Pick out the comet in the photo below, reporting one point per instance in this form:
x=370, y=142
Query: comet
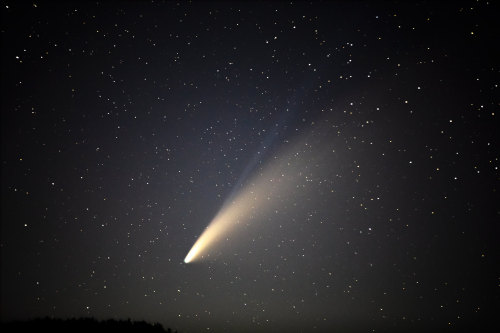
x=277, y=183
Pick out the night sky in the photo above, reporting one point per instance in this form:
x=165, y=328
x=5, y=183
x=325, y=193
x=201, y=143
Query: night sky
x=356, y=140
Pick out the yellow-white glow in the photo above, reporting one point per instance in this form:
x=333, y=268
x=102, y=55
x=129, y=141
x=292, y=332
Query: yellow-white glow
x=276, y=184
x=230, y=215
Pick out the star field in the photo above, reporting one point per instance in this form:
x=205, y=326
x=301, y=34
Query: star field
x=362, y=135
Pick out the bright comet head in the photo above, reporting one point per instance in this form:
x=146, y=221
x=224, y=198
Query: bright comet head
x=194, y=250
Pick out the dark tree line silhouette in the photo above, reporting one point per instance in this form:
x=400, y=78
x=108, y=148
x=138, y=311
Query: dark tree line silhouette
x=81, y=325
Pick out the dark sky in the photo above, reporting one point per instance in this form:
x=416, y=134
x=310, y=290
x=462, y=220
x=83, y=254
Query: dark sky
x=127, y=125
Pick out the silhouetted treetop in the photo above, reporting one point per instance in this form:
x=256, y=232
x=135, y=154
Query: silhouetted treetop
x=81, y=325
